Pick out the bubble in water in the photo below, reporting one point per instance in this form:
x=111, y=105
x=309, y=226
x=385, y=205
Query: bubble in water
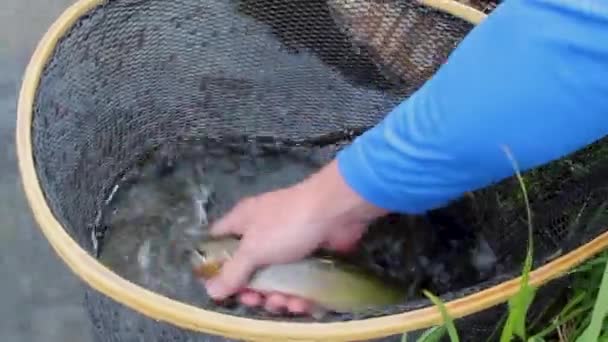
x=143, y=255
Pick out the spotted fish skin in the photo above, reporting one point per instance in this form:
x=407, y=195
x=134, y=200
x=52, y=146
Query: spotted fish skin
x=329, y=283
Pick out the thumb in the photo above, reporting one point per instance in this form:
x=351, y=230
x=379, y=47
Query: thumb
x=234, y=275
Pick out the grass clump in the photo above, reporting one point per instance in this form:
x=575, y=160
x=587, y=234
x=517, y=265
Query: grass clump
x=581, y=319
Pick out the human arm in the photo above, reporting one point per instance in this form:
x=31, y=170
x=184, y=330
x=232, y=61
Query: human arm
x=531, y=77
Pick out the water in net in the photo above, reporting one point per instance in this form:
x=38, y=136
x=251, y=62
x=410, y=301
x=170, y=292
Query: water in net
x=167, y=205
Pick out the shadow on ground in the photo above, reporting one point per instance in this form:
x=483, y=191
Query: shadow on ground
x=40, y=298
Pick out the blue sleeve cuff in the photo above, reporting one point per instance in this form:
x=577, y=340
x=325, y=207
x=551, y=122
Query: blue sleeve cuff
x=356, y=172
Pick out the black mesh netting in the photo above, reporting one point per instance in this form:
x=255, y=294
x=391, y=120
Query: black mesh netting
x=133, y=75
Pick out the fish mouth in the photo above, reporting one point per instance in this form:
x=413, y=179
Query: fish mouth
x=202, y=266
x=208, y=270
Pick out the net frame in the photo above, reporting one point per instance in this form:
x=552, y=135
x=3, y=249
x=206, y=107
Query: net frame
x=161, y=308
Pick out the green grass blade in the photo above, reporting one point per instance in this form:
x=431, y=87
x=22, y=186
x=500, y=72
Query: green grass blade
x=433, y=334
x=581, y=327
x=502, y=320
x=574, y=314
x=507, y=330
x=592, y=333
x=520, y=303
x=448, y=322
x=565, y=313
x=518, y=309
x=586, y=267
x=522, y=186
x=573, y=303
x=540, y=316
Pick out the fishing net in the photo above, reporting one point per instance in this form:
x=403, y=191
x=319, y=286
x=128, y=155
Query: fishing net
x=133, y=76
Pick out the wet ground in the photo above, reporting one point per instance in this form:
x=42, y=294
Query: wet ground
x=40, y=299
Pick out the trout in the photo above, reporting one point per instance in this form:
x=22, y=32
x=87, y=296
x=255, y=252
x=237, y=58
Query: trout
x=331, y=284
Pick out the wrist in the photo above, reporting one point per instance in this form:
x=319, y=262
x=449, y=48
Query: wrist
x=328, y=194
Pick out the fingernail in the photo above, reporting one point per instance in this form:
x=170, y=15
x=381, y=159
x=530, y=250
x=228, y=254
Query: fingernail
x=214, y=289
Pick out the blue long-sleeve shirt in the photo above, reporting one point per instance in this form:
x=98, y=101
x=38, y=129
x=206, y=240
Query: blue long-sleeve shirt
x=533, y=77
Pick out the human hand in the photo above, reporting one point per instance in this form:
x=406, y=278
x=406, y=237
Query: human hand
x=287, y=225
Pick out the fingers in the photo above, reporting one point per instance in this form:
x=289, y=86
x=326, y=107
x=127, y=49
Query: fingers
x=251, y=298
x=276, y=302
x=233, y=276
x=299, y=306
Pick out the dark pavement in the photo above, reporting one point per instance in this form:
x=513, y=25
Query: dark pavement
x=40, y=299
